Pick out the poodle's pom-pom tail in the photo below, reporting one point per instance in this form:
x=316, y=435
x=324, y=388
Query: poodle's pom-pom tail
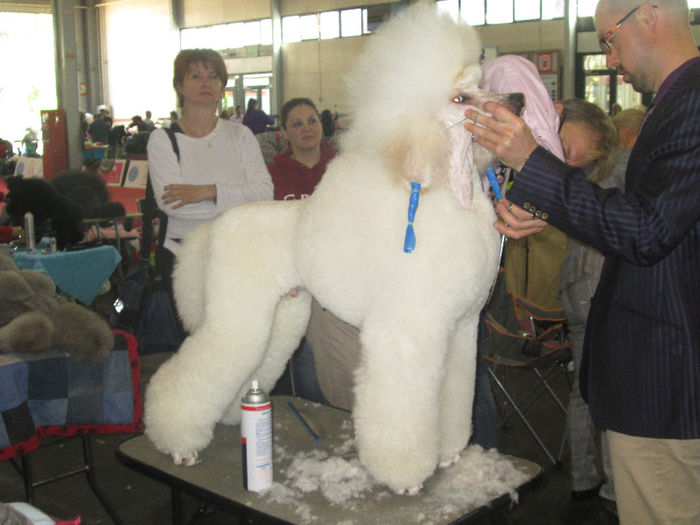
x=406, y=64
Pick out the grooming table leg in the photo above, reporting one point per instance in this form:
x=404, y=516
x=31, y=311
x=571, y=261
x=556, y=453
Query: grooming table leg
x=176, y=506
x=90, y=472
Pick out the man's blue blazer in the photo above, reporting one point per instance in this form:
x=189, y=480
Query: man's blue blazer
x=641, y=365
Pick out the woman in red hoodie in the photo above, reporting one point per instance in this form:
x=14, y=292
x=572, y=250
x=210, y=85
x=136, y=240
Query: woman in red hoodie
x=296, y=172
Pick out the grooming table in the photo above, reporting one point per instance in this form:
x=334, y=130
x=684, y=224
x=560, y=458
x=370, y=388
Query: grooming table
x=301, y=494
x=46, y=394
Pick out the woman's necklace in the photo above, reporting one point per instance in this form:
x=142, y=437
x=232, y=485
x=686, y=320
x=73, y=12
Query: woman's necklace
x=210, y=136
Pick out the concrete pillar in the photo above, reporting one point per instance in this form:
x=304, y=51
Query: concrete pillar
x=569, y=59
x=277, y=85
x=67, y=89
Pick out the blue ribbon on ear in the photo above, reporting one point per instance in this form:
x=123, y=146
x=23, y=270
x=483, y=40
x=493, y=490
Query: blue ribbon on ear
x=409, y=242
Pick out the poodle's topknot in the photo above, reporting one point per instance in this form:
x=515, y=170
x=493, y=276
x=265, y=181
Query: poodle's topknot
x=425, y=51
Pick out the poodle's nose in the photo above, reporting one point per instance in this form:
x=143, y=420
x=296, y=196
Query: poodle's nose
x=516, y=102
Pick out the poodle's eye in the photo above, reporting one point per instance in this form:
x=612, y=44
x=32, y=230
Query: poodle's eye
x=461, y=99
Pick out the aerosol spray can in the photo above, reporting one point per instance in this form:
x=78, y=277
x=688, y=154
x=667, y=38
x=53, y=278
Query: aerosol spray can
x=30, y=241
x=256, y=439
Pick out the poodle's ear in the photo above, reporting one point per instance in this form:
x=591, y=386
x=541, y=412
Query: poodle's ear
x=13, y=181
x=417, y=152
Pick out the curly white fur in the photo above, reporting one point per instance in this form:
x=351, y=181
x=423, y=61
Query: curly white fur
x=417, y=312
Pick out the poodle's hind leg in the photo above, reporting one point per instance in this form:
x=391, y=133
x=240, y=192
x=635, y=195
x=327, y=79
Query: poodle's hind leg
x=291, y=319
x=397, y=391
x=457, y=395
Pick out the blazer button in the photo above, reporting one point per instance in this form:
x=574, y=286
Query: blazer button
x=545, y=216
x=538, y=214
x=527, y=206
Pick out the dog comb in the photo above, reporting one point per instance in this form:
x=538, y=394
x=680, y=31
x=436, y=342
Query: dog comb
x=491, y=174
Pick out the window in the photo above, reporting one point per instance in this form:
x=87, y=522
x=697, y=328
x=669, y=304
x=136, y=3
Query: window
x=604, y=86
x=586, y=7
x=334, y=24
x=330, y=25
x=481, y=12
x=28, y=83
x=309, y=27
x=291, y=29
x=527, y=10
x=499, y=11
x=552, y=9
x=228, y=36
x=474, y=13
x=351, y=22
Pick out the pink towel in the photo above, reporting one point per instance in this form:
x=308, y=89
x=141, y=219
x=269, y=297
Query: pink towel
x=515, y=74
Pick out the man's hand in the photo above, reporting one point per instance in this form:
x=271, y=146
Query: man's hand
x=503, y=133
x=517, y=223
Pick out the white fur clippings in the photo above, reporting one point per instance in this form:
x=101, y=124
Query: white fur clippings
x=418, y=312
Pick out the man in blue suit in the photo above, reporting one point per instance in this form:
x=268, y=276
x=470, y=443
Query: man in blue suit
x=641, y=366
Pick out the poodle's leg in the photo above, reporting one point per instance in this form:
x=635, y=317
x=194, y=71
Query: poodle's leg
x=250, y=268
x=188, y=277
x=458, y=391
x=290, y=323
x=397, y=393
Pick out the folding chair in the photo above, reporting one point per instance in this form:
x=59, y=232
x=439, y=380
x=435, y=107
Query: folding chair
x=519, y=335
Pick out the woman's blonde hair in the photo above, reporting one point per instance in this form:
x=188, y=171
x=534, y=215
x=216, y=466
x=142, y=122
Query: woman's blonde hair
x=603, y=154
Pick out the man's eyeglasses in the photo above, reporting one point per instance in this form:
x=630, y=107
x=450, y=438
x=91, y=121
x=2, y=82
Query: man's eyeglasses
x=605, y=42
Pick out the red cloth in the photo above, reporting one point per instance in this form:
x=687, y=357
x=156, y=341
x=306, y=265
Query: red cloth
x=5, y=234
x=127, y=196
x=292, y=179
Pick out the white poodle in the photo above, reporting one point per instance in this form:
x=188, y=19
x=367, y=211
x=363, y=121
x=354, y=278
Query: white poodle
x=417, y=311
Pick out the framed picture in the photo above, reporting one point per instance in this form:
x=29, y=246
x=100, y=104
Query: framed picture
x=136, y=174
x=29, y=167
x=115, y=173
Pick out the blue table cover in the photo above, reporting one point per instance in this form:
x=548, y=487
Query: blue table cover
x=80, y=273
x=48, y=394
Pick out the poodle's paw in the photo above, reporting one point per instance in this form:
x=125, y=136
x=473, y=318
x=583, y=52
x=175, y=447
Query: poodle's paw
x=411, y=491
x=188, y=460
x=449, y=462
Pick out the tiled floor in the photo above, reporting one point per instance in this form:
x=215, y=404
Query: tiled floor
x=141, y=501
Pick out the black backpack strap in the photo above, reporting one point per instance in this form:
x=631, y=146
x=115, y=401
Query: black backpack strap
x=150, y=209
x=174, y=128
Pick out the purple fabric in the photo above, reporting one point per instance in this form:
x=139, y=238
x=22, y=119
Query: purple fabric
x=257, y=120
x=515, y=74
x=666, y=85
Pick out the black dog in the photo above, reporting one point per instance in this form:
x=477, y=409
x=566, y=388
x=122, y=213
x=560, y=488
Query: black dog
x=88, y=191
x=54, y=215
x=60, y=206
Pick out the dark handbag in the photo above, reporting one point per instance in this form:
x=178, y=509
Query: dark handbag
x=148, y=312
x=158, y=329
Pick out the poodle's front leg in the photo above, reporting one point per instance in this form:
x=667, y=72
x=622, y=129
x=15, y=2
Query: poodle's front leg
x=245, y=279
x=458, y=391
x=189, y=393
x=397, y=393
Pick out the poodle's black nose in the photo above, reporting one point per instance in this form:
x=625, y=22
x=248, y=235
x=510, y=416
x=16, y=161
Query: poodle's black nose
x=516, y=102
